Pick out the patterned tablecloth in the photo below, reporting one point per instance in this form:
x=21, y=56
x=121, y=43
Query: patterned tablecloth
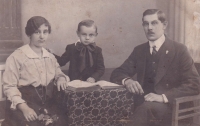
x=96, y=108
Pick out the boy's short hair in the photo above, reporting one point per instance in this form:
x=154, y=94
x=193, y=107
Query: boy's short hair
x=161, y=15
x=87, y=23
x=34, y=23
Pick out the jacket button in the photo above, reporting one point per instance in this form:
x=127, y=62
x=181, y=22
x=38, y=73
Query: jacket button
x=167, y=85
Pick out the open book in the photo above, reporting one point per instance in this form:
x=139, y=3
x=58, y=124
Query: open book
x=78, y=85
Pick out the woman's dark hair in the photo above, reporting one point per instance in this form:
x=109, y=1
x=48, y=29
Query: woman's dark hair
x=34, y=23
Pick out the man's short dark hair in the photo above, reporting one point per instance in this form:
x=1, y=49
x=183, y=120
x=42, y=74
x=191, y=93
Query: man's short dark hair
x=161, y=15
x=87, y=23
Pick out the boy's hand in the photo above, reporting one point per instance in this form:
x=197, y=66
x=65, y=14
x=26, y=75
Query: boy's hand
x=61, y=82
x=91, y=80
x=28, y=112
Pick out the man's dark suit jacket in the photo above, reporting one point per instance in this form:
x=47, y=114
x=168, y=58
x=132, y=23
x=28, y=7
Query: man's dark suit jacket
x=71, y=55
x=176, y=74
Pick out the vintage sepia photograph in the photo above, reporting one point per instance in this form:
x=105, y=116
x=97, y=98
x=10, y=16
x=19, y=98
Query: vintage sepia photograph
x=99, y=62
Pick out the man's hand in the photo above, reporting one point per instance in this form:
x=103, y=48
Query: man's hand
x=28, y=112
x=91, y=80
x=61, y=83
x=154, y=97
x=134, y=86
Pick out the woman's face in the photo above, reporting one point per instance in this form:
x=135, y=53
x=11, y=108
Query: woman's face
x=38, y=38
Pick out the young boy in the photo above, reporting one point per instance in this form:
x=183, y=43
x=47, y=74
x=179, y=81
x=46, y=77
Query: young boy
x=86, y=59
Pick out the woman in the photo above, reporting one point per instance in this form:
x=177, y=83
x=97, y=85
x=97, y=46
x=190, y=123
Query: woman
x=28, y=77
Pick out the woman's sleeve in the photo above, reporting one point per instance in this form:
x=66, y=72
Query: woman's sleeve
x=10, y=82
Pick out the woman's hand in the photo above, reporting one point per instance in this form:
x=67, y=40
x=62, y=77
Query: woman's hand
x=28, y=112
x=91, y=80
x=61, y=82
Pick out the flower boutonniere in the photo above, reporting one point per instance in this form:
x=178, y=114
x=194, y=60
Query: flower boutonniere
x=167, y=51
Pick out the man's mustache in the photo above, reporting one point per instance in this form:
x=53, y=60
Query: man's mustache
x=150, y=32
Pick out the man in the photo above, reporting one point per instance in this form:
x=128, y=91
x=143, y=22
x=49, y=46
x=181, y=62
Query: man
x=164, y=69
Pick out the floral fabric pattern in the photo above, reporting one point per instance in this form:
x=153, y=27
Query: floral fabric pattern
x=96, y=108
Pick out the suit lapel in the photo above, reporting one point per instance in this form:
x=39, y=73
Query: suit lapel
x=142, y=63
x=166, y=58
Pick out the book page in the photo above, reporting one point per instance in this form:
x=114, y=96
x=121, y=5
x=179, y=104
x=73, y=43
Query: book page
x=103, y=83
x=80, y=84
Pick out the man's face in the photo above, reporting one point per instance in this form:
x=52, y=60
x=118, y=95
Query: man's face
x=153, y=27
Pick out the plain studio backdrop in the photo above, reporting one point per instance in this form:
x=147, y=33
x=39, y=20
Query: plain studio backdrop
x=119, y=23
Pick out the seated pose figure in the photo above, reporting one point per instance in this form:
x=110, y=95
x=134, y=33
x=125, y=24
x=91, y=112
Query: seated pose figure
x=30, y=73
x=164, y=69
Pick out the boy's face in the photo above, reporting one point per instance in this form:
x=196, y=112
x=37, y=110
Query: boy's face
x=153, y=27
x=87, y=35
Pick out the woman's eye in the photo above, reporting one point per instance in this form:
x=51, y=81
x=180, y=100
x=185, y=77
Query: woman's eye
x=46, y=32
x=37, y=32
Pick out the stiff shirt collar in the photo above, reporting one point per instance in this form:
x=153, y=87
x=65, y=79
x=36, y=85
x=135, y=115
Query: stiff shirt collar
x=26, y=49
x=158, y=43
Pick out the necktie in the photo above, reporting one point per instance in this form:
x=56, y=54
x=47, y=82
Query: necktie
x=85, y=55
x=154, y=51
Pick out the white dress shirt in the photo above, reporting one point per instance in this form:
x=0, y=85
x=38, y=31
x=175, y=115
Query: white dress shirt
x=158, y=43
x=24, y=67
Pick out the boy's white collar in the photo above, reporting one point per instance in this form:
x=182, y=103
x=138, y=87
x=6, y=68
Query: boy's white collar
x=78, y=41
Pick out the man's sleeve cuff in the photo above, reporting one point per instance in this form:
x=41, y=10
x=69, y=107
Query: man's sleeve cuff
x=165, y=98
x=123, y=81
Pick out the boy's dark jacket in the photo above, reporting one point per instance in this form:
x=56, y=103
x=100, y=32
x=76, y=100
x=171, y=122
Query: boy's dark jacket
x=71, y=55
